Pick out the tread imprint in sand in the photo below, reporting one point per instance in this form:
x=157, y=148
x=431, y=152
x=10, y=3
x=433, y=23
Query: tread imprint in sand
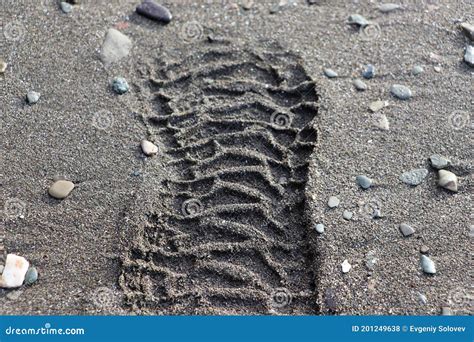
x=237, y=128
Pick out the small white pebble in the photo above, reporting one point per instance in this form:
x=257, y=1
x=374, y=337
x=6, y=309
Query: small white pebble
x=149, y=148
x=346, y=267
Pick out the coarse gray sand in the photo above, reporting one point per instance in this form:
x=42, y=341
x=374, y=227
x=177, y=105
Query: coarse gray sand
x=82, y=131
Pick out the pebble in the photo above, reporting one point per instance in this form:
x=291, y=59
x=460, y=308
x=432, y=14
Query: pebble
x=437, y=69
x=424, y=249
x=364, y=181
x=377, y=105
x=427, y=265
x=381, y=121
x=31, y=275
x=401, y=92
x=333, y=202
x=369, y=72
x=154, y=11
x=417, y=69
x=14, y=271
x=448, y=180
x=61, y=189
x=320, y=228
x=469, y=56
x=66, y=7
x=116, y=46
x=120, y=85
x=330, y=73
x=389, y=7
x=347, y=215
x=32, y=97
x=247, y=4
x=346, y=267
x=439, y=162
x=149, y=148
x=414, y=177
x=468, y=30
x=422, y=298
x=446, y=311
x=357, y=19
x=406, y=229
x=370, y=260
x=359, y=85
x=3, y=66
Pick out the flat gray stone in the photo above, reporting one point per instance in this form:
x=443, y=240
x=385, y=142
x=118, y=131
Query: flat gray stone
x=31, y=275
x=468, y=30
x=417, y=69
x=401, y=92
x=116, y=46
x=439, y=162
x=469, y=56
x=414, y=177
x=154, y=11
x=330, y=73
x=61, y=189
x=333, y=202
x=359, y=84
x=347, y=215
x=427, y=265
x=66, y=7
x=357, y=19
x=389, y=7
x=364, y=182
x=406, y=229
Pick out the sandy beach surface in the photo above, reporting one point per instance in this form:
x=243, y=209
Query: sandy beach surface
x=253, y=139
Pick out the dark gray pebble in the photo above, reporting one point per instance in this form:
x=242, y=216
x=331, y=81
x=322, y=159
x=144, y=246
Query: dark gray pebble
x=152, y=10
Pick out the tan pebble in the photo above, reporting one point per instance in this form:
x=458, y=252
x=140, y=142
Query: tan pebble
x=448, y=180
x=149, y=148
x=381, y=121
x=61, y=189
x=377, y=105
x=3, y=66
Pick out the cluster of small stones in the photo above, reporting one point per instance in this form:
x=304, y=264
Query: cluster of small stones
x=17, y=271
x=446, y=179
